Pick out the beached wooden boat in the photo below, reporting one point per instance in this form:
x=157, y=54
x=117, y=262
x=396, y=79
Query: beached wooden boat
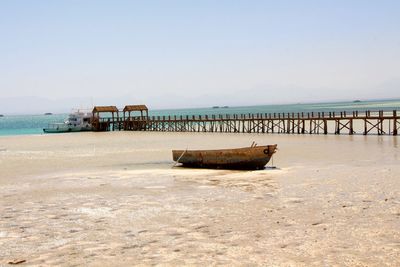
x=248, y=158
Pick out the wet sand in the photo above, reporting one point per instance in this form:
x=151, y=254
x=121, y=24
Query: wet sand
x=107, y=199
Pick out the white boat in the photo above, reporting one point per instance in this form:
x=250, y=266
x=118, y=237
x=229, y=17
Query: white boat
x=77, y=121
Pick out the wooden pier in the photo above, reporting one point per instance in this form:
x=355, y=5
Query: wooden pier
x=366, y=122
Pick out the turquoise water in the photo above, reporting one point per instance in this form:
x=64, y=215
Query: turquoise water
x=27, y=124
x=34, y=124
x=316, y=107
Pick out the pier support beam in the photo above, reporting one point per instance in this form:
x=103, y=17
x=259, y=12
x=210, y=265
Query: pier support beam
x=340, y=125
x=378, y=126
x=351, y=131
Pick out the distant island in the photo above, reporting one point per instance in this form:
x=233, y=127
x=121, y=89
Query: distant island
x=48, y=113
x=1, y=115
x=357, y=101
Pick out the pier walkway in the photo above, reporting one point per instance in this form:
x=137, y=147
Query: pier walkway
x=366, y=122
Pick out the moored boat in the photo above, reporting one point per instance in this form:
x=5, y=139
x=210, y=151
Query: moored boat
x=248, y=158
x=76, y=122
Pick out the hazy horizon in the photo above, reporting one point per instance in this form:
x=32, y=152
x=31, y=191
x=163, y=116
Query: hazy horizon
x=43, y=105
x=177, y=54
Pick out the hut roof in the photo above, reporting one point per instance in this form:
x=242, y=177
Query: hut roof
x=135, y=108
x=105, y=109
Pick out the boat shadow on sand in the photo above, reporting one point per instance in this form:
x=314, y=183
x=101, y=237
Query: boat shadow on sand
x=266, y=168
x=244, y=180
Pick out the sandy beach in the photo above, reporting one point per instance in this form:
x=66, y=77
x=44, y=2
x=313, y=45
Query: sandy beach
x=112, y=199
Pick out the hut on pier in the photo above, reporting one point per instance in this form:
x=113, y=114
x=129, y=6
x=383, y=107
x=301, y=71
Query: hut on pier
x=105, y=124
x=135, y=123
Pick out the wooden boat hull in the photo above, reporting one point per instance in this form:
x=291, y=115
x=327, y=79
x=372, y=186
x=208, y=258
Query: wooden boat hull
x=248, y=158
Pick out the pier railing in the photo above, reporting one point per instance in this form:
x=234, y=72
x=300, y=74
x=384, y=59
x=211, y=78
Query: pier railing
x=354, y=122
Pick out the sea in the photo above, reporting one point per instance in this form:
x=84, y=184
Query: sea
x=34, y=124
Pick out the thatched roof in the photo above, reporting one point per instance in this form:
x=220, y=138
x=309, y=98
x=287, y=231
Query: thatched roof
x=105, y=109
x=135, y=108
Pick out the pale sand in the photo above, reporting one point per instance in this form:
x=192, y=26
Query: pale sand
x=102, y=199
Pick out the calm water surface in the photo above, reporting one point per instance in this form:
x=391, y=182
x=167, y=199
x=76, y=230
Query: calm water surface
x=34, y=124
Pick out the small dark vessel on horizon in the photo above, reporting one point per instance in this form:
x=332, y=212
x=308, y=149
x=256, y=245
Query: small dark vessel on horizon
x=1, y=115
x=48, y=113
x=247, y=158
x=220, y=107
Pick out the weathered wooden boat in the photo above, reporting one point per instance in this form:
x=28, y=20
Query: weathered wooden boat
x=247, y=158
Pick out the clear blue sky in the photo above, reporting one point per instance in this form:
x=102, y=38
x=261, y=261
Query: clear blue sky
x=171, y=54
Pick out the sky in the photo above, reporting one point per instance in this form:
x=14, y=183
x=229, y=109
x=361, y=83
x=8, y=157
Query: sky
x=178, y=54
